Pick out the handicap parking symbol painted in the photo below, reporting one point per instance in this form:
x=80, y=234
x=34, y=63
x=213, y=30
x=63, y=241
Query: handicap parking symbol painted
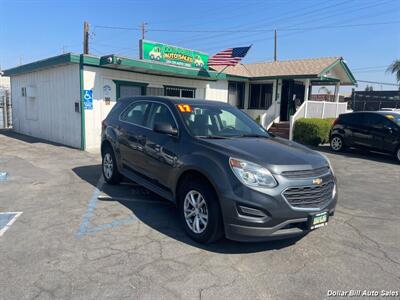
x=7, y=219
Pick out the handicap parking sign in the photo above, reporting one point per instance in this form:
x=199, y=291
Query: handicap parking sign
x=88, y=99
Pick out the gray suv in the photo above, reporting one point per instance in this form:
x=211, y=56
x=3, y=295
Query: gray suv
x=226, y=174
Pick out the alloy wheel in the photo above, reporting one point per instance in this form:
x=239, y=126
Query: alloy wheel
x=398, y=154
x=195, y=211
x=336, y=143
x=108, y=166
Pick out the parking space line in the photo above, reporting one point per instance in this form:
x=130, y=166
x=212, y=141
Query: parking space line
x=10, y=222
x=85, y=229
x=90, y=208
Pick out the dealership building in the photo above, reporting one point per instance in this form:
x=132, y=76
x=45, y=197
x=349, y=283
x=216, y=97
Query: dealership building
x=64, y=98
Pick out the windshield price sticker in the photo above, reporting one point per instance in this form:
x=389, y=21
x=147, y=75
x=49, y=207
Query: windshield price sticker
x=184, y=108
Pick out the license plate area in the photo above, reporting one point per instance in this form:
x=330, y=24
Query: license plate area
x=318, y=220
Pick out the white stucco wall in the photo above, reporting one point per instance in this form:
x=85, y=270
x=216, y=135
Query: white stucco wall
x=48, y=111
x=96, y=78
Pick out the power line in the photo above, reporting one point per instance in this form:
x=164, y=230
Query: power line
x=377, y=82
x=326, y=10
x=252, y=30
x=364, y=68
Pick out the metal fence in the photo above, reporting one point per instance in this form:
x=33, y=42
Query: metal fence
x=372, y=105
x=5, y=109
x=374, y=100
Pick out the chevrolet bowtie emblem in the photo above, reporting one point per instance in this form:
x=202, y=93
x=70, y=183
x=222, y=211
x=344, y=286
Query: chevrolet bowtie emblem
x=317, y=181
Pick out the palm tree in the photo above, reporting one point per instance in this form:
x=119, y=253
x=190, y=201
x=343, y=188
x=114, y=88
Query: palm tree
x=394, y=68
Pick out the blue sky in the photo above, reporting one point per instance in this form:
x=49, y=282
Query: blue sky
x=37, y=29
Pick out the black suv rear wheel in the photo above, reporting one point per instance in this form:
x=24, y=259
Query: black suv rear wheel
x=397, y=154
x=337, y=143
x=109, y=166
x=199, y=211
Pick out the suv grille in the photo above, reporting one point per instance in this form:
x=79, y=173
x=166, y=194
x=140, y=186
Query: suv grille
x=309, y=196
x=306, y=173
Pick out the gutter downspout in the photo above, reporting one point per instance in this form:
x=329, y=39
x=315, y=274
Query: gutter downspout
x=83, y=127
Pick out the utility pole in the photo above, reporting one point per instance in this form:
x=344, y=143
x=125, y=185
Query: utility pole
x=143, y=26
x=85, y=37
x=275, y=46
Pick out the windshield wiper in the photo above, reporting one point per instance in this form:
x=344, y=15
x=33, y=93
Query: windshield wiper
x=253, y=135
x=211, y=137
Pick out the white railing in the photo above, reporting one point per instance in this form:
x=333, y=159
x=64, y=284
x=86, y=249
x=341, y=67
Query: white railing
x=317, y=109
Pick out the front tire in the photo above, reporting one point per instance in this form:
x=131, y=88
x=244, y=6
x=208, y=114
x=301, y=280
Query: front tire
x=109, y=167
x=200, y=212
x=337, y=143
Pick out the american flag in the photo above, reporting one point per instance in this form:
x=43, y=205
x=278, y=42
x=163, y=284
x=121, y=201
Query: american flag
x=228, y=57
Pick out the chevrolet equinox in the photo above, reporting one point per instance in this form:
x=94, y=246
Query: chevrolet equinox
x=226, y=174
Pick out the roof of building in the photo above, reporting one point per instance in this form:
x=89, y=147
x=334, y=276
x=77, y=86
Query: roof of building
x=324, y=69
x=311, y=66
x=113, y=61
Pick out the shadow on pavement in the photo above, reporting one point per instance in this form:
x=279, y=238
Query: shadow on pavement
x=29, y=139
x=359, y=153
x=162, y=215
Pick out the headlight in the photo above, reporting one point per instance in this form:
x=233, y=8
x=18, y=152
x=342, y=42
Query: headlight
x=334, y=191
x=329, y=163
x=251, y=174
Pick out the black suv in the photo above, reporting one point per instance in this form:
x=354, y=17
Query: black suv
x=379, y=131
x=226, y=174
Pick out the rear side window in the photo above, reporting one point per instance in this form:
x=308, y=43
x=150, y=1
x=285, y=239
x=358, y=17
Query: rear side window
x=352, y=119
x=135, y=113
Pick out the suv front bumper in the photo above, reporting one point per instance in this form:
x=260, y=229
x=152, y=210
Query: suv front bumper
x=250, y=215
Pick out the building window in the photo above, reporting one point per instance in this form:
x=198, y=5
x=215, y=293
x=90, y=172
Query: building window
x=260, y=96
x=236, y=93
x=154, y=91
x=182, y=92
x=129, y=89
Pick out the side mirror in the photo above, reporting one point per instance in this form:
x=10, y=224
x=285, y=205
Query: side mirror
x=165, y=128
x=388, y=128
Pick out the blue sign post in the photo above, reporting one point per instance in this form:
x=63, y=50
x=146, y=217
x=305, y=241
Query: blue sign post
x=88, y=99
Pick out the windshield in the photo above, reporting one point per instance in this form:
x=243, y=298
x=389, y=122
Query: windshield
x=210, y=121
x=394, y=117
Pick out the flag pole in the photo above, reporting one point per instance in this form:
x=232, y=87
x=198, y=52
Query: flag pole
x=222, y=70
x=228, y=65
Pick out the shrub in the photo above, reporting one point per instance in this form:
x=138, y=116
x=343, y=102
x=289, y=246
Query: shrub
x=312, y=131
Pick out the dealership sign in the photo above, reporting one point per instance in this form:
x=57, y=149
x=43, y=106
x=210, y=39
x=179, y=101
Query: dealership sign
x=172, y=55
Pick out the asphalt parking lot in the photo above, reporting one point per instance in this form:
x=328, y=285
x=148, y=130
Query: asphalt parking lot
x=78, y=238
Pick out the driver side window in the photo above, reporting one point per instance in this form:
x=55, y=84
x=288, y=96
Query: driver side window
x=160, y=114
x=228, y=120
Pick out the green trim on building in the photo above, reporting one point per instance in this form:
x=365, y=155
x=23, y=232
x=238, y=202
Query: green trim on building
x=41, y=64
x=83, y=126
x=344, y=66
x=347, y=69
x=118, y=84
x=146, y=67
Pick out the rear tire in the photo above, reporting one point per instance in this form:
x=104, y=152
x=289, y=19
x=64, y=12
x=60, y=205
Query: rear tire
x=199, y=211
x=337, y=143
x=109, y=167
x=397, y=154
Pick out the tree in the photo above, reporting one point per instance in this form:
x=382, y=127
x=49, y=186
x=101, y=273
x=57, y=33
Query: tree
x=394, y=68
x=369, y=88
